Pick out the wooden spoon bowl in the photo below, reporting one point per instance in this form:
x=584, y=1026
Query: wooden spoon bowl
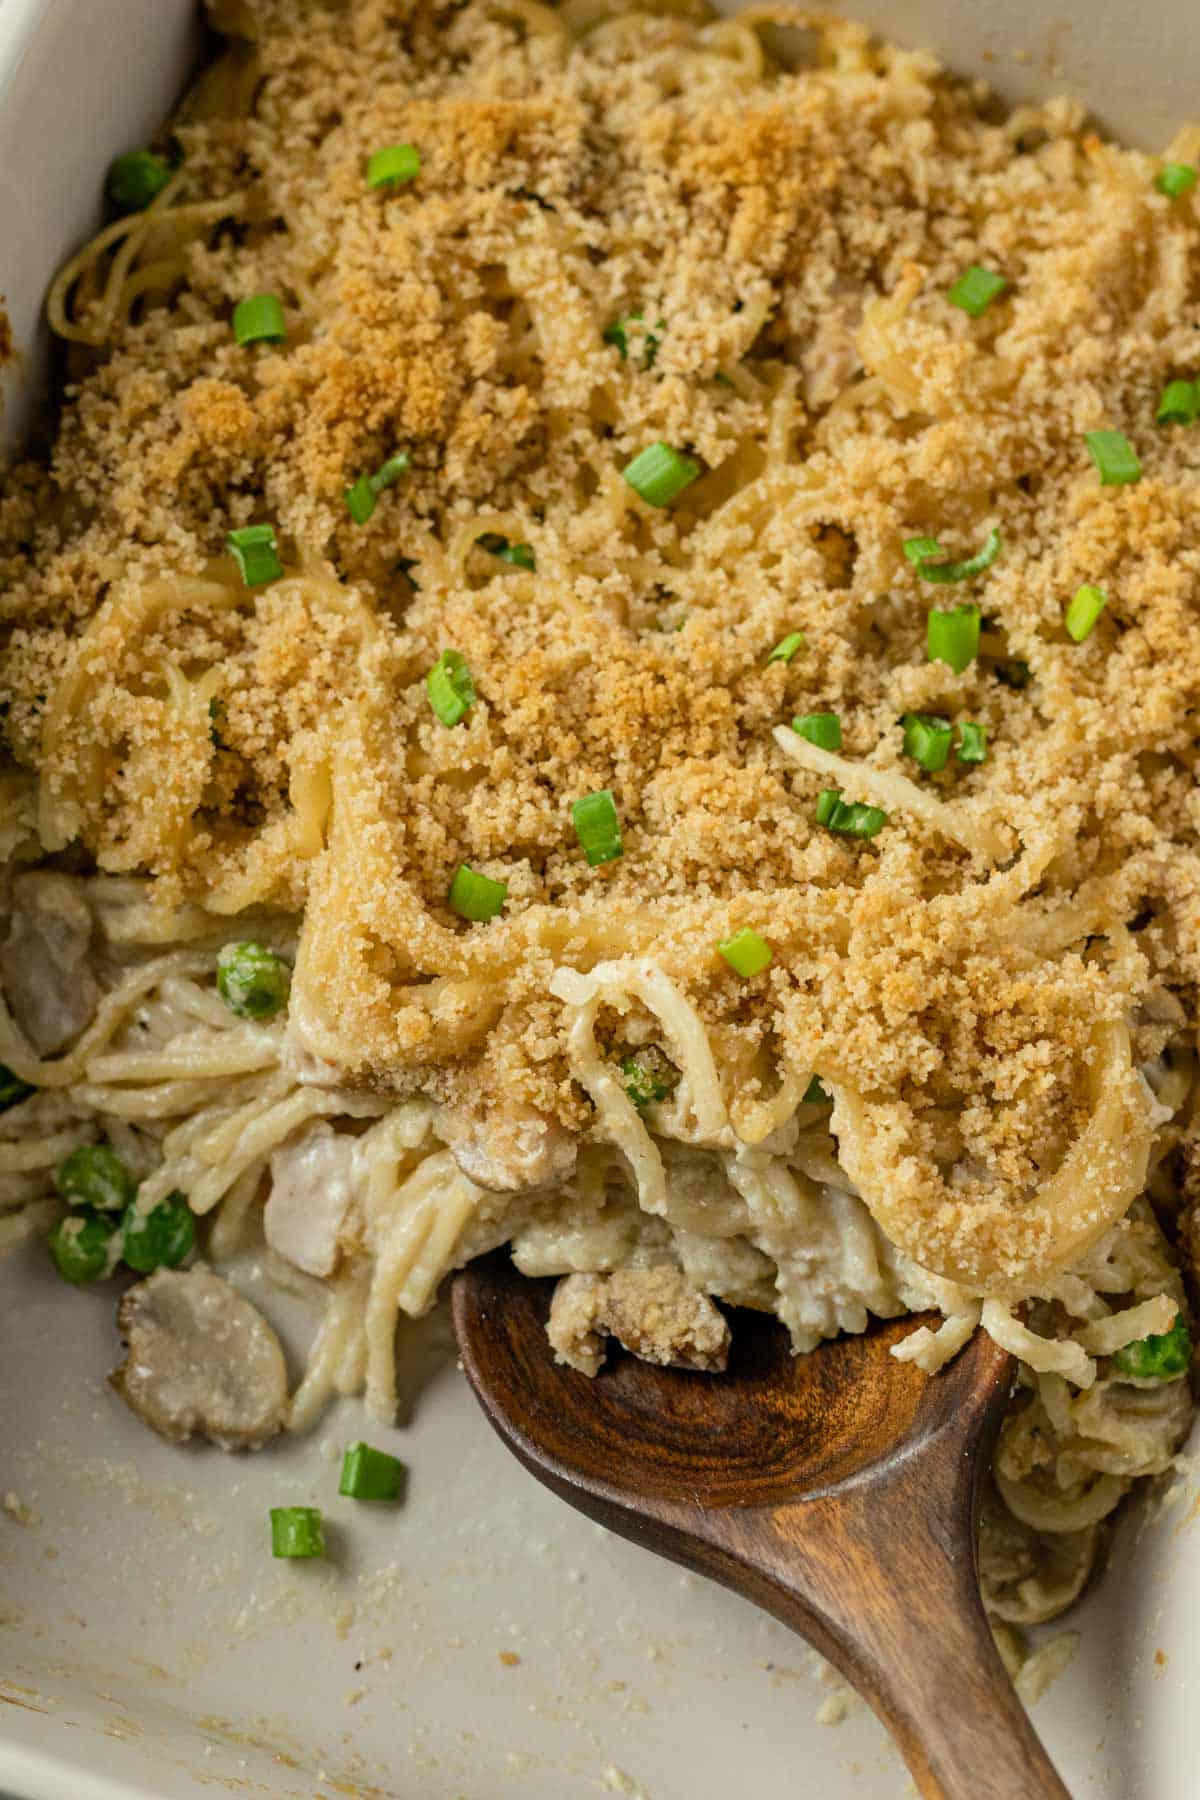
x=838, y=1490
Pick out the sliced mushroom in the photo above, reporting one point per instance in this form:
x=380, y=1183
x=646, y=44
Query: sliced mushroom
x=314, y=1180
x=44, y=960
x=510, y=1150
x=201, y=1361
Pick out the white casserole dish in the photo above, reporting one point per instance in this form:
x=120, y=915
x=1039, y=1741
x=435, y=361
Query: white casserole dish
x=149, y=1647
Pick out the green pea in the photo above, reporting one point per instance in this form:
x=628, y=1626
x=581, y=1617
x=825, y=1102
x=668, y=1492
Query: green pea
x=80, y=1245
x=252, y=980
x=94, y=1175
x=1162, y=1358
x=161, y=1238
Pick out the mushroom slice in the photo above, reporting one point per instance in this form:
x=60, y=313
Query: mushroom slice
x=201, y=1360
x=44, y=960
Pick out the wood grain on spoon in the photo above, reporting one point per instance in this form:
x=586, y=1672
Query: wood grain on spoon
x=838, y=1490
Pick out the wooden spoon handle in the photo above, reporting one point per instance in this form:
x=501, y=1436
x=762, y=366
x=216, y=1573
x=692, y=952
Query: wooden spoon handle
x=891, y=1597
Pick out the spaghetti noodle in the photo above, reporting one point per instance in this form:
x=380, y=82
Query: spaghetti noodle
x=964, y=1082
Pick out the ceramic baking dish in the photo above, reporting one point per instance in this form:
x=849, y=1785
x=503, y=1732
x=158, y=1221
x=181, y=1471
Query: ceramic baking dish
x=485, y=1641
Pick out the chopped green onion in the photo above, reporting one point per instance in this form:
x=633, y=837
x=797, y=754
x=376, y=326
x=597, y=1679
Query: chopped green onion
x=1114, y=456
x=450, y=688
x=160, y=1239
x=257, y=554
x=815, y=1093
x=392, y=166
x=296, y=1531
x=1175, y=179
x=1161, y=1358
x=746, y=953
x=1084, y=610
x=857, y=820
x=927, y=740
x=660, y=474
x=1180, y=403
x=953, y=637
x=259, y=320
x=361, y=499
x=920, y=550
x=81, y=1246
x=648, y=1075
x=520, y=555
x=476, y=897
x=972, y=742
x=12, y=1089
x=371, y=1474
x=137, y=178
x=616, y=334
x=252, y=981
x=822, y=729
x=975, y=290
x=597, y=826
x=95, y=1176
x=787, y=647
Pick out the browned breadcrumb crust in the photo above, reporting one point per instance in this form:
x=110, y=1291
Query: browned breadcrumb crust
x=572, y=172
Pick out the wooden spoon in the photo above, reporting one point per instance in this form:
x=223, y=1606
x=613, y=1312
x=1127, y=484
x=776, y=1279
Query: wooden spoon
x=837, y=1490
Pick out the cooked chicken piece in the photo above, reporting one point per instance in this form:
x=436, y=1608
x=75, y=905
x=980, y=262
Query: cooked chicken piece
x=656, y=1313
x=314, y=1179
x=44, y=961
x=201, y=1360
x=509, y=1151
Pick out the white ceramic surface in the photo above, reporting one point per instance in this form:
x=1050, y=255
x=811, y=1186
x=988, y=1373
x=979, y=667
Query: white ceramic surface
x=149, y=1647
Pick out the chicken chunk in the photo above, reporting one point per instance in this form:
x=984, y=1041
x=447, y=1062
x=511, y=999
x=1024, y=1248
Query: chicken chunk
x=201, y=1361
x=509, y=1151
x=656, y=1313
x=44, y=960
x=314, y=1180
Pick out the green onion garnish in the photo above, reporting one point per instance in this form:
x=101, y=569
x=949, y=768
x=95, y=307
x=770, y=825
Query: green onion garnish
x=927, y=740
x=392, y=166
x=520, y=555
x=746, y=953
x=648, y=1075
x=953, y=637
x=1180, y=403
x=975, y=290
x=95, y=1176
x=12, y=1089
x=921, y=550
x=296, y=1531
x=476, y=897
x=660, y=474
x=257, y=554
x=160, y=1239
x=616, y=334
x=854, y=821
x=787, y=647
x=972, y=742
x=259, y=320
x=137, y=178
x=370, y=1474
x=450, y=688
x=597, y=826
x=815, y=1093
x=361, y=499
x=1084, y=610
x=1174, y=179
x=822, y=729
x=1161, y=1358
x=252, y=981
x=80, y=1246
x=1114, y=456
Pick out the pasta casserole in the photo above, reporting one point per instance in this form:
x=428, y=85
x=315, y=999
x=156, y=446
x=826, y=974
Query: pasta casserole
x=602, y=657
